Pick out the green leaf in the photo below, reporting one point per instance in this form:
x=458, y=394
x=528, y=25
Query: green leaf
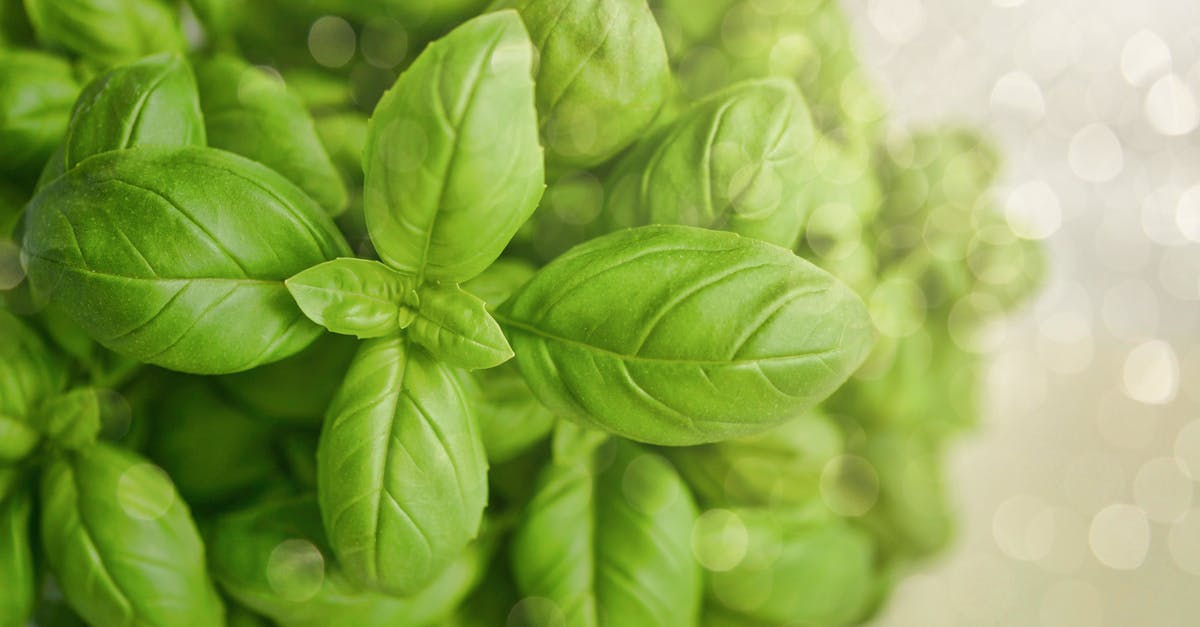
x=152, y=101
x=355, y=297
x=452, y=164
x=19, y=591
x=113, y=527
x=17, y=439
x=36, y=94
x=107, y=32
x=778, y=467
x=297, y=390
x=797, y=566
x=251, y=113
x=72, y=421
x=214, y=451
x=177, y=256
x=30, y=373
x=273, y=558
x=500, y=281
x=608, y=545
x=737, y=160
x=511, y=419
x=455, y=327
x=401, y=468
x=676, y=335
x=602, y=75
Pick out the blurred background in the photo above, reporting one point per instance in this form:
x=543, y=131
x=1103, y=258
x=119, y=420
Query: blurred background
x=1078, y=491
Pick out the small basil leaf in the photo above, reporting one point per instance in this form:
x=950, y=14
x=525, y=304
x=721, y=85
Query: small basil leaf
x=30, y=373
x=676, y=335
x=355, y=297
x=36, y=94
x=572, y=442
x=113, y=526
x=151, y=101
x=455, y=327
x=602, y=75
x=107, y=32
x=177, y=256
x=736, y=160
x=17, y=440
x=17, y=571
x=273, y=558
x=402, y=475
x=609, y=545
x=798, y=567
x=913, y=516
x=72, y=421
x=251, y=113
x=452, y=164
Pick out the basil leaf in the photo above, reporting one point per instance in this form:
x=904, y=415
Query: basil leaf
x=715, y=335
x=609, y=546
x=30, y=373
x=251, y=113
x=500, y=280
x=107, y=32
x=798, y=566
x=511, y=419
x=452, y=164
x=152, y=101
x=177, y=256
x=401, y=468
x=214, y=451
x=296, y=390
x=913, y=516
x=36, y=94
x=273, y=558
x=113, y=527
x=72, y=421
x=602, y=75
x=455, y=327
x=18, y=593
x=355, y=297
x=17, y=439
x=737, y=160
x=778, y=467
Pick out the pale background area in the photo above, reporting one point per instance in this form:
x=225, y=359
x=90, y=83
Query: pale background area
x=1076, y=495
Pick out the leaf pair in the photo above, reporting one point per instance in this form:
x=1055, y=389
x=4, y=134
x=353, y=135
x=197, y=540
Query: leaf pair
x=367, y=299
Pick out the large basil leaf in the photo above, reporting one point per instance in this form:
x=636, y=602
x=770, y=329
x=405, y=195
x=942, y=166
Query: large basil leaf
x=401, y=469
x=107, y=32
x=113, y=527
x=16, y=558
x=736, y=160
x=273, y=558
x=177, y=257
x=602, y=75
x=608, y=544
x=452, y=164
x=249, y=112
x=787, y=566
x=36, y=94
x=778, y=467
x=152, y=101
x=30, y=373
x=676, y=335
